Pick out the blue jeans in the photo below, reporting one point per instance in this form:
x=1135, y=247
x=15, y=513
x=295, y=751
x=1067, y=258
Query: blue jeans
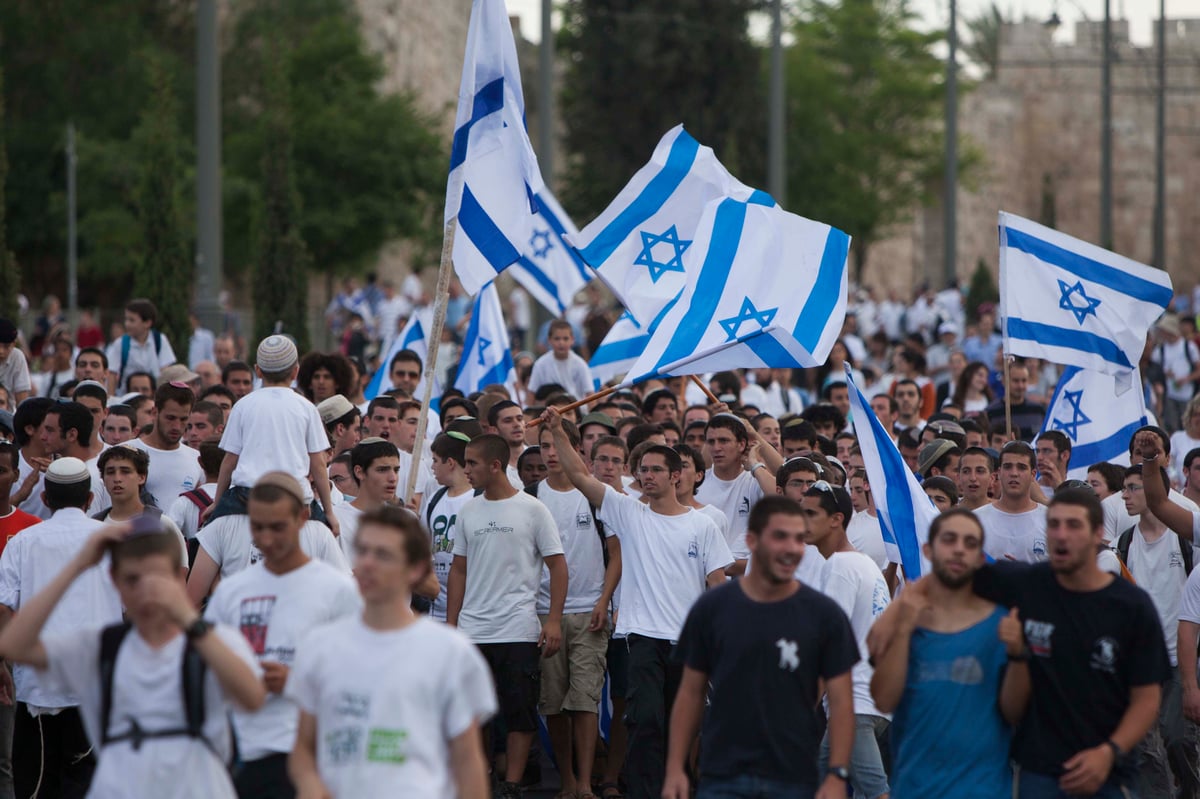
x=1040, y=786
x=867, y=775
x=751, y=787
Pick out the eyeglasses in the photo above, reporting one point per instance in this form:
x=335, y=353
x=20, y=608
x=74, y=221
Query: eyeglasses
x=1131, y=489
x=406, y=374
x=652, y=470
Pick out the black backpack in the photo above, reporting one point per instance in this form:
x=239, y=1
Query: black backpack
x=194, y=669
x=1185, y=549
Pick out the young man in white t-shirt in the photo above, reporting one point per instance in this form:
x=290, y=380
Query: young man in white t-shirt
x=504, y=538
x=274, y=429
x=391, y=703
x=794, y=478
x=439, y=509
x=275, y=603
x=150, y=746
x=561, y=365
x=174, y=466
x=375, y=465
x=1014, y=524
x=573, y=678
x=670, y=553
x=691, y=477
x=854, y=582
x=141, y=349
x=123, y=470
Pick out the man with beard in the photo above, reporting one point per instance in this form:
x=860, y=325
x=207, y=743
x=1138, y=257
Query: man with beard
x=943, y=671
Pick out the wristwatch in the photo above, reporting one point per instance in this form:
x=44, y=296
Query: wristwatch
x=841, y=772
x=1116, y=750
x=197, y=629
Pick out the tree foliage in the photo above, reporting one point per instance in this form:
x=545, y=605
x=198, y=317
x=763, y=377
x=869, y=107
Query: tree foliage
x=981, y=289
x=10, y=276
x=636, y=68
x=864, y=105
x=982, y=45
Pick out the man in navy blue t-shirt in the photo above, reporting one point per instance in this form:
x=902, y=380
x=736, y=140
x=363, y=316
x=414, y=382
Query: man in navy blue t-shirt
x=763, y=643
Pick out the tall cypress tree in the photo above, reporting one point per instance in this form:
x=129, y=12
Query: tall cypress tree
x=10, y=276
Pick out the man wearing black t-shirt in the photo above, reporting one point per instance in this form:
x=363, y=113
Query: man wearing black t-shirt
x=763, y=643
x=1095, y=656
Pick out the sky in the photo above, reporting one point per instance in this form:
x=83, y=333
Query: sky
x=935, y=13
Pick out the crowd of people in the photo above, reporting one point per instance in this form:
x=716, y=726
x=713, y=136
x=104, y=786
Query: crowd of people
x=212, y=582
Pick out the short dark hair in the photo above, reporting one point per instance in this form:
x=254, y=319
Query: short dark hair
x=1112, y=474
x=138, y=457
x=570, y=429
x=768, y=506
x=609, y=441
x=674, y=462
x=1021, y=449
x=404, y=356
x=731, y=423
x=74, y=416
x=140, y=373
x=526, y=454
x=824, y=413
x=218, y=390
x=93, y=351
x=91, y=389
x=469, y=427
x=235, y=366
x=799, y=430
x=893, y=406
x=211, y=456
x=67, y=495
x=653, y=398
x=797, y=464
x=943, y=484
x=271, y=493
x=936, y=525
x=180, y=395
x=456, y=402
x=382, y=401
x=642, y=431
x=1084, y=498
x=559, y=324
x=991, y=461
x=833, y=500
x=697, y=461
x=143, y=308
x=137, y=547
x=1058, y=438
x=30, y=413
x=1191, y=455
x=213, y=411
x=367, y=452
x=11, y=449
x=492, y=447
x=449, y=448
x=416, y=540
x=495, y=411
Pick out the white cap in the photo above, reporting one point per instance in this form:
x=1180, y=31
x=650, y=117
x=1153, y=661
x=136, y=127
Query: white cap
x=68, y=470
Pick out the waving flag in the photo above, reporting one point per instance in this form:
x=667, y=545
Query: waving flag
x=493, y=171
x=905, y=511
x=486, y=358
x=625, y=342
x=413, y=338
x=549, y=268
x=1074, y=303
x=1098, y=424
x=765, y=288
x=637, y=245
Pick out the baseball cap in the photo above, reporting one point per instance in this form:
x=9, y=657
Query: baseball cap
x=597, y=417
x=931, y=453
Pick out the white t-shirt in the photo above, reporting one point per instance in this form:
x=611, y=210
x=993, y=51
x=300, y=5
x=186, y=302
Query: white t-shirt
x=734, y=498
x=718, y=516
x=275, y=612
x=101, y=501
x=144, y=357
x=505, y=543
x=347, y=516
x=1157, y=567
x=1014, y=536
x=227, y=541
x=1175, y=361
x=1108, y=561
x=571, y=373
x=146, y=687
x=854, y=581
x=1117, y=520
x=33, y=504
x=1189, y=606
x=172, y=471
x=581, y=547
x=665, y=563
x=866, y=536
x=186, y=514
x=388, y=704
x=811, y=570
x=273, y=429
x=30, y=562
x=14, y=373
x=441, y=525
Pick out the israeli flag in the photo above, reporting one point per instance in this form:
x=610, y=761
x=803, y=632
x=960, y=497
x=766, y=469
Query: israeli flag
x=486, y=358
x=1070, y=302
x=637, y=246
x=415, y=338
x=905, y=511
x=549, y=268
x=765, y=288
x=625, y=342
x=1099, y=424
x=493, y=171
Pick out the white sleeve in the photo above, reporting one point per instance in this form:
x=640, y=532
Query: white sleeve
x=315, y=437
x=840, y=589
x=217, y=609
x=21, y=382
x=469, y=695
x=212, y=542
x=460, y=541
x=327, y=548
x=347, y=601
x=549, y=541
x=1196, y=528
x=71, y=661
x=232, y=439
x=1189, y=606
x=10, y=574
x=174, y=528
x=304, y=679
x=619, y=510
x=716, y=552
x=176, y=512
x=113, y=355
x=166, y=355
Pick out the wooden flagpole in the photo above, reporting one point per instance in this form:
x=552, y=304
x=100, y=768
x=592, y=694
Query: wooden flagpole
x=713, y=398
x=441, y=298
x=601, y=394
x=1007, y=401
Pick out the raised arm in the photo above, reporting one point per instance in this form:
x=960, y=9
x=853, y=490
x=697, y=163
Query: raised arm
x=1154, y=478
x=570, y=460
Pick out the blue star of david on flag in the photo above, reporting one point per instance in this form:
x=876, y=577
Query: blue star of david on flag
x=748, y=314
x=1078, y=417
x=646, y=257
x=540, y=243
x=1067, y=301
x=483, y=345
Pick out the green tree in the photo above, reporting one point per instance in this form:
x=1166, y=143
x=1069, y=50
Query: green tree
x=10, y=276
x=281, y=269
x=981, y=289
x=164, y=275
x=982, y=46
x=636, y=68
x=864, y=108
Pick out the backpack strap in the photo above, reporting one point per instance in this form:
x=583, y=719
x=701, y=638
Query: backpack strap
x=600, y=531
x=110, y=641
x=433, y=501
x=198, y=497
x=1123, y=546
x=125, y=344
x=532, y=489
x=194, y=669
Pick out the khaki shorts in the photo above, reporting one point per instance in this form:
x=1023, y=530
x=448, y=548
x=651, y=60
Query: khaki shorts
x=573, y=678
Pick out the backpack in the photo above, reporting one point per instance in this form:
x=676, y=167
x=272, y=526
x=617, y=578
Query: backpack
x=192, y=680
x=1126, y=538
x=126, y=342
x=198, y=497
x=532, y=490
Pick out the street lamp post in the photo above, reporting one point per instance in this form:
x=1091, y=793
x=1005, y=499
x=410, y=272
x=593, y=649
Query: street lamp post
x=950, y=202
x=208, y=165
x=1160, y=145
x=1106, y=236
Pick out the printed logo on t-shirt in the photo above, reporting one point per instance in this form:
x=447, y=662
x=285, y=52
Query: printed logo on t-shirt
x=386, y=746
x=254, y=619
x=255, y=554
x=744, y=507
x=1039, y=550
x=345, y=743
x=1104, y=655
x=880, y=598
x=491, y=528
x=583, y=520
x=693, y=549
x=1038, y=634
x=1175, y=561
x=788, y=659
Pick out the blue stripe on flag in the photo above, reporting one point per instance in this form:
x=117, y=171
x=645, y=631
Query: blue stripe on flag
x=1053, y=336
x=483, y=233
x=825, y=292
x=620, y=350
x=415, y=334
x=653, y=196
x=1107, y=448
x=488, y=100
x=767, y=347
x=760, y=197
x=722, y=249
x=900, y=508
x=1083, y=267
x=498, y=373
x=542, y=279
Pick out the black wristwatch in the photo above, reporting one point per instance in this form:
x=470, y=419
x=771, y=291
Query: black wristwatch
x=197, y=629
x=1116, y=750
x=841, y=772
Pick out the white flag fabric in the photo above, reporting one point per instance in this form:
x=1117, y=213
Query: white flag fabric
x=414, y=337
x=1073, y=303
x=1099, y=424
x=486, y=358
x=765, y=288
x=549, y=268
x=493, y=170
x=625, y=342
x=637, y=245
x=905, y=510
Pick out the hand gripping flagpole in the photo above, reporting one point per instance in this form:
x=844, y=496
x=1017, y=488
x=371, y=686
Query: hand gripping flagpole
x=441, y=298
